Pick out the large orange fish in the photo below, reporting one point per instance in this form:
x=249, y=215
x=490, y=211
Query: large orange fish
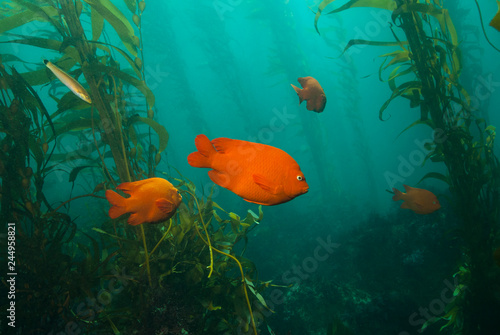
x=151, y=200
x=418, y=200
x=258, y=173
x=312, y=92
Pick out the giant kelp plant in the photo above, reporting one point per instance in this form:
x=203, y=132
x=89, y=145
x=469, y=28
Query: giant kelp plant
x=426, y=71
x=177, y=277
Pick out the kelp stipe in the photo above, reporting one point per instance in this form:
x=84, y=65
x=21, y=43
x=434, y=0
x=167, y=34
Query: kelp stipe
x=463, y=142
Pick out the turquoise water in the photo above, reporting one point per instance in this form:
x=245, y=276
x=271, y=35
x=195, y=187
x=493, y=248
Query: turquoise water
x=342, y=254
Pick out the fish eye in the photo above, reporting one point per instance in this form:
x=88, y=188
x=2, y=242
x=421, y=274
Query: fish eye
x=300, y=178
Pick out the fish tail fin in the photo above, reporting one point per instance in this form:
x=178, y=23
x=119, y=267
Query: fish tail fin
x=298, y=90
x=117, y=202
x=203, y=157
x=398, y=195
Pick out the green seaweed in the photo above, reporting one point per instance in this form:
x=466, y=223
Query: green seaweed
x=462, y=141
x=115, y=277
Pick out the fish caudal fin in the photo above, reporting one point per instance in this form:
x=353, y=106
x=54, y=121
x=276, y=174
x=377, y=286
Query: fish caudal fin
x=203, y=157
x=117, y=204
x=298, y=90
x=398, y=195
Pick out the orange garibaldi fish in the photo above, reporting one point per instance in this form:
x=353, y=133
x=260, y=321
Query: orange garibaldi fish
x=258, y=173
x=151, y=200
x=312, y=92
x=418, y=200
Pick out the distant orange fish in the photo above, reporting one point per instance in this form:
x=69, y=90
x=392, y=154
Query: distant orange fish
x=151, y=200
x=418, y=200
x=495, y=22
x=258, y=173
x=312, y=92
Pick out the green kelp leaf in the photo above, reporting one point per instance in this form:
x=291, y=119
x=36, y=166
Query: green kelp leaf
x=119, y=22
x=132, y=5
x=97, y=24
x=372, y=43
x=74, y=173
x=436, y=175
x=131, y=61
x=21, y=81
x=427, y=122
x=5, y=58
x=36, y=150
x=257, y=294
x=45, y=13
x=382, y=4
x=398, y=92
x=399, y=56
x=10, y=22
x=321, y=7
x=45, y=43
x=139, y=84
x=158, y=128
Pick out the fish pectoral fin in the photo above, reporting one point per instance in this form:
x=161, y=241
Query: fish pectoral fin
x=266, y=184
x=220, y=178
x=419, y=205
x=135, y=219
x=165, y=205
x=405, y=205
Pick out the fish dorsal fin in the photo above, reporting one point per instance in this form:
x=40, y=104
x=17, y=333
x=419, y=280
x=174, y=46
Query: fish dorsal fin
x=266, y=184
x=164, y=205
x=130, y=187
x=223, y=145
x=302, y=81
x=407, y=188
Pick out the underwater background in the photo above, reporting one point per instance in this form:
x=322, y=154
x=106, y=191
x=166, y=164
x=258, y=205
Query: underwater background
x=412, y=99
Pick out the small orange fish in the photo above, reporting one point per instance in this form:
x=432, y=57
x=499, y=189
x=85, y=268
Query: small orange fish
x=312, y=92
x=495, y=22
x=258, y=173
x=151, y=200
x=418, y=200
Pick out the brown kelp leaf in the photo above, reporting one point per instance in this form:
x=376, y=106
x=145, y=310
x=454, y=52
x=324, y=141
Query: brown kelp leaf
x=136, y=19
x=142, y=6
x=119, y=22
x=158, y=128
x=138, y=62
x=382, y=4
